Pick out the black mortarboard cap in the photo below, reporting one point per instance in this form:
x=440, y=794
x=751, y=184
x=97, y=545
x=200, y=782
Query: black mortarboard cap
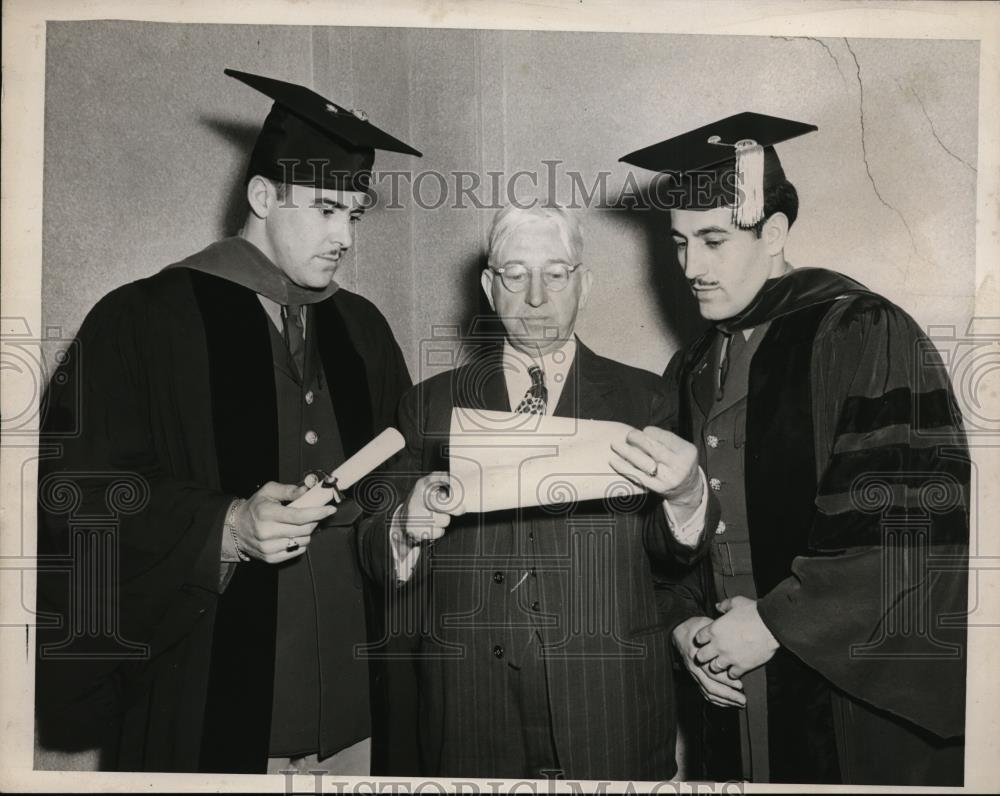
x=728, y=162
x=308, y=140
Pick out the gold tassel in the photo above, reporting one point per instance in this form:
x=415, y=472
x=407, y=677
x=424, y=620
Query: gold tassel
x=749, y=209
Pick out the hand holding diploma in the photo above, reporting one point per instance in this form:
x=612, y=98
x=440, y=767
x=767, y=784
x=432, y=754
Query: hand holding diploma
x=375, y=453
x=267, y=529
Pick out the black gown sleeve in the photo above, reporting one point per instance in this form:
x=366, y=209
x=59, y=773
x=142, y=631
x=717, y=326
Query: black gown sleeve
x=128, y=542
x=879, y=607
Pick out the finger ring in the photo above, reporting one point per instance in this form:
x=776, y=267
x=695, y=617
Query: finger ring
x=292, y=546
x=655, y=470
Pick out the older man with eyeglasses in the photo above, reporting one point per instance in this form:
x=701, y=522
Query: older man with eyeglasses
x=542, y=652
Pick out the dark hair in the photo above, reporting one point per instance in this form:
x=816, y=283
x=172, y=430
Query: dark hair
x=779, y=198
x=281, y=189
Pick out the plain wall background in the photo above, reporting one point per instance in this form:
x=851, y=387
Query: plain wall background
x=146, y=142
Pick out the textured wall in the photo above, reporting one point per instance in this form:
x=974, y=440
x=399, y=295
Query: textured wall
x=146, y=140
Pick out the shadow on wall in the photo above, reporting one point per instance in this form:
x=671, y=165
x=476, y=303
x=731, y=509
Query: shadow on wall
x=242, y=138
x=664, y=277
x=481, y=327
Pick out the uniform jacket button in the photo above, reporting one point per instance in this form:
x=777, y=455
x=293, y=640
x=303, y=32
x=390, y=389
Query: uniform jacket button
x=312, y=437
x=715, y=483
x=310, y=397
x=712, y=440
x=498, y=577
x=498, y=651
x=721, y=527
x=536, y=605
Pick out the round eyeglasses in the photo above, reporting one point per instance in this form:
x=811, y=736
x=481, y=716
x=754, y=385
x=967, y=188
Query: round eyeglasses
x=516, y=278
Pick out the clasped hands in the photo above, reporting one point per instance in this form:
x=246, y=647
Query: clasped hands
x=718, y=653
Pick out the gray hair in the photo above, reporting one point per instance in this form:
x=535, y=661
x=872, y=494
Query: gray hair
x=508, y=219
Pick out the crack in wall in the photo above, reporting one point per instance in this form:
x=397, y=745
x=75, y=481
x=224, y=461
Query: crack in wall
x=934, y=132
x=864, y=148
x=822, y=44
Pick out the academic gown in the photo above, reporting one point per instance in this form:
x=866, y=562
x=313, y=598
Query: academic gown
x=165, y=413
x=856, y=486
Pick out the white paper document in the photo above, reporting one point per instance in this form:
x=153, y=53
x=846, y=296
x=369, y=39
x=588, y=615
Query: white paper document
x=503, y=460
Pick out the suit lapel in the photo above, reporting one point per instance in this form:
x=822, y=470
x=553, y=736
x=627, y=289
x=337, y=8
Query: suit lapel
x=589, y=389
x=704, y=377
x=481, y=383
x=736, y=380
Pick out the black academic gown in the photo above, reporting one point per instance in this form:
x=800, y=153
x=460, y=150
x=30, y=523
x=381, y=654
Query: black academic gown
x=165, y=413
x=856, y=485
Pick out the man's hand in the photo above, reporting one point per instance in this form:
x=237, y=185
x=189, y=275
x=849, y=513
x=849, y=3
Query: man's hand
x=737, y=641
x=719, y=689
x=267, y=530
x=424, y=516
x=664, y=464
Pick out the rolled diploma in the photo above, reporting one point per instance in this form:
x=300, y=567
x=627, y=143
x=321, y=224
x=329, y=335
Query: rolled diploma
x=385, y=445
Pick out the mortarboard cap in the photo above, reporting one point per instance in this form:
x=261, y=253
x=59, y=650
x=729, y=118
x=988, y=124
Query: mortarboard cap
x=728, y=162
x=308, y=140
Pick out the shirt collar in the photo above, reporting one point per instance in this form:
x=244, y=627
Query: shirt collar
x=554, y=363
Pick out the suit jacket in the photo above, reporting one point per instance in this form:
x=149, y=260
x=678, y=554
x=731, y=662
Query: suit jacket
x=573, y=583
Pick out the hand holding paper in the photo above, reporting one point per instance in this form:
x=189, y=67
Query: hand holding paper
x=505, y=460
x=664, y=464
x=429, y=508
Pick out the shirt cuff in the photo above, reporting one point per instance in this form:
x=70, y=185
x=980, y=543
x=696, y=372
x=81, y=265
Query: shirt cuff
x=404, y=554
x=689, y=532
x=229, y=553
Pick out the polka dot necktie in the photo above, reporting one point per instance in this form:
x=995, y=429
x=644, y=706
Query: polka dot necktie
x=535, y=398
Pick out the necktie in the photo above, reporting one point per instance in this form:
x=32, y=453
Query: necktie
x=535, y=398
x=734, y=345
x=291, y=317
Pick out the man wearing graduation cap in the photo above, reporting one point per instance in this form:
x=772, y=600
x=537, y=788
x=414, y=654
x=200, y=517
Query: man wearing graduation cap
x=828, y=622
x=211, y=389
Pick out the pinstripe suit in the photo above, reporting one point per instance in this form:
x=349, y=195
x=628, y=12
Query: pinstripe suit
x=557, y=600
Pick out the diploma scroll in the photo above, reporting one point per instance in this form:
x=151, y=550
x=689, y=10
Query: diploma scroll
x=376, y=452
